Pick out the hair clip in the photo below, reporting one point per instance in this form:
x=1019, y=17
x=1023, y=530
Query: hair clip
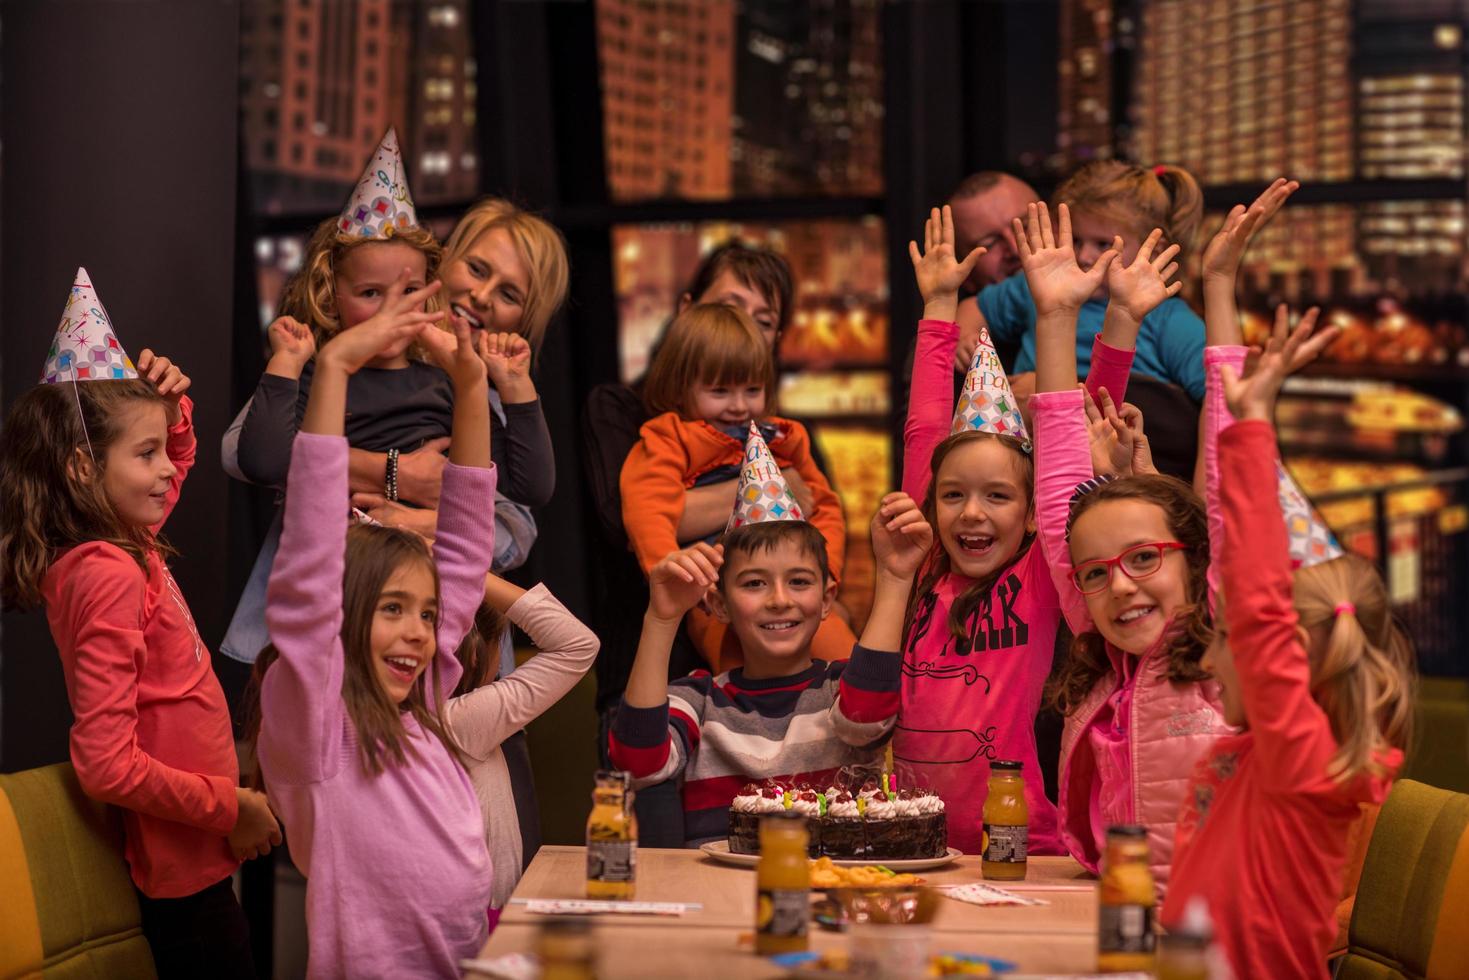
x=1345, y=608
x=1159, y=170
x=1082, y=489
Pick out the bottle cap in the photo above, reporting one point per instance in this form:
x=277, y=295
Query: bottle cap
x=1130, y=831
x=1007, y=765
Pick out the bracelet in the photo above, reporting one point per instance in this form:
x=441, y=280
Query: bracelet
x=390, y=481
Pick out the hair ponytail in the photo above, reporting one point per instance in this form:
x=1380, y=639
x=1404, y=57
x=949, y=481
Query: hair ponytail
x=1164, y=196
x=1362, y=672
x=1185, y=204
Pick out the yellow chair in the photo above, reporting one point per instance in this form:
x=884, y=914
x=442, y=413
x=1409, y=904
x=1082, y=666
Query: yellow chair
x=1411, y=918
x=67, y=906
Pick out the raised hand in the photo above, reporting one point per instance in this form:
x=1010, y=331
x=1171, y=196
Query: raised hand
x=453, y=351
x=507, y=359
x=680, y=580
x=165, y=376
x=397, y=322
x=937, y=269
x=1253, y=396
x=1057, y=283
x=1137, y=289
x=1119, y=444
x=1227, y=248
x=291, y=346
x=901, y=538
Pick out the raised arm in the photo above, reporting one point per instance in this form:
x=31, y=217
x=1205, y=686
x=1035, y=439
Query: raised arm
x=180, y=445
x=263, y=445
x=528, y=473
x=1133, y=292
x=939, y=274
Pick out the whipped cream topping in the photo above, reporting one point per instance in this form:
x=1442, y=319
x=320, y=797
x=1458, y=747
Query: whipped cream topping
x=842, y=811
x=881, y=808
x=929, y=803
x=907, y=806
x=807, y=808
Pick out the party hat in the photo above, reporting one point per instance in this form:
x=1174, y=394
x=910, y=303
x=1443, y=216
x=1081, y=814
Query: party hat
x=762, y=494
x=1311, y=541
x=85, y=348
x=380, y=205
x=986, y=403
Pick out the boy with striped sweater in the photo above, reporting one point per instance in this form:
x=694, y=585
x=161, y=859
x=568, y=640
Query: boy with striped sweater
x=782, y=714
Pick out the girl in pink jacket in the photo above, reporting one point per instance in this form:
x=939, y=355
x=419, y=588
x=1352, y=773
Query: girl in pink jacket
x=981, y=626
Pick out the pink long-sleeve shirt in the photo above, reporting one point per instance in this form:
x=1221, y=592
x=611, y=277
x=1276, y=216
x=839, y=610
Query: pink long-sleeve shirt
x=398, y=876
x=152, y=731
x=968, y=701
x=1263, y=836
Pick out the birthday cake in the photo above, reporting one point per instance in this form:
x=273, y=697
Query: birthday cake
x=876, y=822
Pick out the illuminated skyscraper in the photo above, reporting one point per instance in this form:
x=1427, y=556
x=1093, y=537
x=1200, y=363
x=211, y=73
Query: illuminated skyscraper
x=667, y=95
x=445, y=162
x=1084, y=118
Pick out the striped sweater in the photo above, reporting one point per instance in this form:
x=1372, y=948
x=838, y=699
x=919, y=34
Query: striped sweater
x=719, y=733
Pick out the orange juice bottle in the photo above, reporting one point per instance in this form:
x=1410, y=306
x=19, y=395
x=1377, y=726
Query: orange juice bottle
x=1006, y=823
x=782, y=885
x=612, y=838
x=1126, y=899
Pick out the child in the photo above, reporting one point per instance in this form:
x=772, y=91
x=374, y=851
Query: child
x=383, y=819
x=481, y=719
x=91, y=463
x=1317, y=673
x=1111, y=199
x=710, y=380
x=782, y=714
x=399, y=407
x=980, y=630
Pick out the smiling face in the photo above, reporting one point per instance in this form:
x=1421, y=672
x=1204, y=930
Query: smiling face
x=363, y=277
x=136, y=468
x=728, y=404
x=1092, y=234
x=403, y=623
x=984, y=219
x=1130, y=613
x=486, y=287
x=774, y=600
x=729, y=289
x=981, y=506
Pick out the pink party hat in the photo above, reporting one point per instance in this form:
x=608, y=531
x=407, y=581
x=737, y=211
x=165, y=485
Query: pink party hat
x=380, y=205
x=1311, y=541
x=85, y=348
x=762, y=494
x=986, y=402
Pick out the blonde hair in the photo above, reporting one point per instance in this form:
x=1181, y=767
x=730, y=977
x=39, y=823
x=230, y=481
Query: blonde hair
x=707, y=344
x=311, y=294
x=1158, y=197
x=1362, y=669
x=541, y=248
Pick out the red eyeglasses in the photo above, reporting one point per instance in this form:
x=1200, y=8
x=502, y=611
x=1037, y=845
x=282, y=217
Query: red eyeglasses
x=1137, y=562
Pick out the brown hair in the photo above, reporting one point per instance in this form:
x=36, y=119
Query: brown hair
x=1362, y=668
x=707, y=344
x=1190, y=631
x=311, y=294
x=1158, y=197
x=479, y=654
x=916, y=620
x=541, y=248
x=759, y=268
x=374, y=553
x=767, y=535
x=46, y=502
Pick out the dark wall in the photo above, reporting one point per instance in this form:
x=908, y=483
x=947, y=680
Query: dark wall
x=118, y=122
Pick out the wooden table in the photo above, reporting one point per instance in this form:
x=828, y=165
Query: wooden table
x=1058, y=938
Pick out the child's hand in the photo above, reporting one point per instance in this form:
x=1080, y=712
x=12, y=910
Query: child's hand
x=398, y=320
x=680, y=580
x=1137, y=289
x=291, y=344
x=507, y=360
x=1227, y=249
x=1057, y=283
x=901, y=538
x=1118, y=443
x=166, y=377
x=938, y=271
x=1253, y=396
x=454, y=352
x=256, y=830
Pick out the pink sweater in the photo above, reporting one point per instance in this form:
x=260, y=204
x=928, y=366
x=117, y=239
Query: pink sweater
x=1264, y=832
x=398, y=877
x=966, y=702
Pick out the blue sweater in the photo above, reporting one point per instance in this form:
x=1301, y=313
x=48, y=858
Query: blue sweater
x=1170, y=345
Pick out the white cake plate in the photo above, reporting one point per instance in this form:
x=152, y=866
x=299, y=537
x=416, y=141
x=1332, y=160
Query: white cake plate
x=719, y=851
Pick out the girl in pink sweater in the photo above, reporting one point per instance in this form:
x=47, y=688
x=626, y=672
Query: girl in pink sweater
x=981, y=627
x=382, y=817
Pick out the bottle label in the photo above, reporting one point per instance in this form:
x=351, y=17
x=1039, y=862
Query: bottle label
x=1126, y=929
x=782, y=911
x=612, y=860
x=1008, y=843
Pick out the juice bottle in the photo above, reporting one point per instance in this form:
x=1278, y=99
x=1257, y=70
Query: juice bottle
x=612, y=838
x=1125, y=937
x=564, y=947
x=782, y=885
x=1006, y=823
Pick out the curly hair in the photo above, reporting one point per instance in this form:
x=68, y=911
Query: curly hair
x=48, y=503
x=1190, y=630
